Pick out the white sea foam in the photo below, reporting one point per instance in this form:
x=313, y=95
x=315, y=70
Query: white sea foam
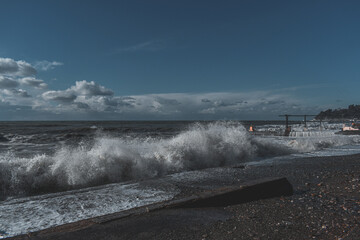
x=110, y=159
x=20, y=216
x=116, y=159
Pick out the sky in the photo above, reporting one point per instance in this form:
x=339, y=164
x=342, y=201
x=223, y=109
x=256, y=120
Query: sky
x=177, y=59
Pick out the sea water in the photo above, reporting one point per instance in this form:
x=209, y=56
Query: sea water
x=54, y=173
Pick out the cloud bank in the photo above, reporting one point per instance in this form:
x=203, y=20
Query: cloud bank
x=23, y=96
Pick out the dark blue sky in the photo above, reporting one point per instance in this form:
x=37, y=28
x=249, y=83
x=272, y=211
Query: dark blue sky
x=297, y=56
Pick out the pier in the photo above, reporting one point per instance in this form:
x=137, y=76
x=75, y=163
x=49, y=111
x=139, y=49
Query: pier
x=288, y=128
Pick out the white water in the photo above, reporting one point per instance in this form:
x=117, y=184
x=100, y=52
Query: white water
x=110, y=159
x=23, y=215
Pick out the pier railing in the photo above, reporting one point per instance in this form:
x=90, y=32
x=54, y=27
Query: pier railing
x=288, y=128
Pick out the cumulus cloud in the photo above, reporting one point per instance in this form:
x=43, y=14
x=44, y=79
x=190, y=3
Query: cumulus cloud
x=82, y=105
x=46, y=65
x=84, y=88
x=59, y=96
x=10, y=67
x=31, y=81
x=18, y=73
x=82, y=91
x=17, y=92
x=8, y=82
x=89, y=97
x=17, y=98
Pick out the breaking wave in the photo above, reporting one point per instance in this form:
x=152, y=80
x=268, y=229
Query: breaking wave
x=113, y=159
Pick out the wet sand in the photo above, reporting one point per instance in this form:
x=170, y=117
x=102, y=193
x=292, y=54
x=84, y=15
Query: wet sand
x=325, y=205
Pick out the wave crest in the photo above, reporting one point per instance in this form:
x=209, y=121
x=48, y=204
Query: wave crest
x=110, y=159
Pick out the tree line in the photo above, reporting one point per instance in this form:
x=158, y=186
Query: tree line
x=353, y=111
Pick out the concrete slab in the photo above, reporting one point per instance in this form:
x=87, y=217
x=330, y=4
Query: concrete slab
x=204, y=206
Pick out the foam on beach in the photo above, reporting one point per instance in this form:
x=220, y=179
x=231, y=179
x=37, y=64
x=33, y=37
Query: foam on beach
x=23, y=215
x=43, y=190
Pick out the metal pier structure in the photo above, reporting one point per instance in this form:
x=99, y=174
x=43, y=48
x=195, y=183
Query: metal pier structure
x=288, y=128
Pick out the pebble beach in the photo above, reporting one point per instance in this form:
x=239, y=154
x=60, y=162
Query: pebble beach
x=325, y=205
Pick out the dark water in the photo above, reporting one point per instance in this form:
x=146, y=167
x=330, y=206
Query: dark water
x=29, y=138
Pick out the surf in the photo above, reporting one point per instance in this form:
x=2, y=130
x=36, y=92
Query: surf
x=110, y=159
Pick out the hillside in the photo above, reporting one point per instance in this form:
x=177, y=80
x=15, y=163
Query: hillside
x=352, y=112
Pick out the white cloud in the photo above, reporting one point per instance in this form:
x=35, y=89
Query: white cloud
x=92, y=98
x=20, y=73
x=46, y=65
x=31, y=81
x=17, y=92
x=10, y=67
x=16, y=98
x=84, y=88
x=59, y=96
x=6, y=82
x=83, y=91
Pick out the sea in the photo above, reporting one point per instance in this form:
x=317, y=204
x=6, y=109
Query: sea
x=53, y=173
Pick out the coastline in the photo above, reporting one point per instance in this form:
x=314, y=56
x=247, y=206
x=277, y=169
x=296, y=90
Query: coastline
x=325, y=205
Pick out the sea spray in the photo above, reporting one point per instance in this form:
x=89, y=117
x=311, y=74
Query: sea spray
x=108, y=159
